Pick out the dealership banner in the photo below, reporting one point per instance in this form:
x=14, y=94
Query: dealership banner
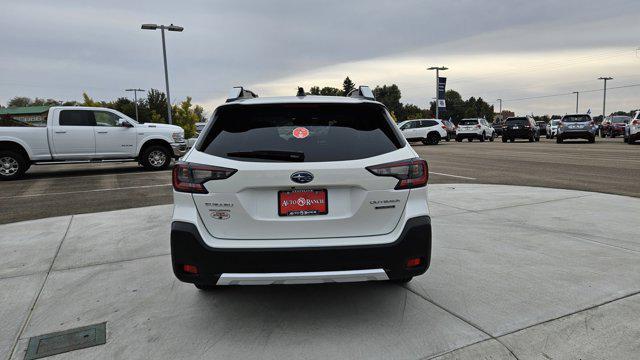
x=442, y=88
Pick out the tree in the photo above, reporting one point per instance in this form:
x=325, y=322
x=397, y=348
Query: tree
x=315, y=90
x=157, y=102
x=411, y=112
x=347, y=86
x=390, y=97
x=185, y=117
x=330, y=91
x=19, y=101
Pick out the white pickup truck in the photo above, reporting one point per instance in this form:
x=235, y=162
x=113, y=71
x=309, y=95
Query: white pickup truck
x=77, y=134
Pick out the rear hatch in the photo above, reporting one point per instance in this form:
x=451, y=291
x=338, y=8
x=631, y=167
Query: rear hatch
x=517, y=124
x=468, y=125
x=577, y=122
x=312, y=155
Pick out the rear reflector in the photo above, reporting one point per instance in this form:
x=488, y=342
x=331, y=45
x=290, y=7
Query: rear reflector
x=412, y=173
x=190, y=269
x=414, y=262
x=190, y=178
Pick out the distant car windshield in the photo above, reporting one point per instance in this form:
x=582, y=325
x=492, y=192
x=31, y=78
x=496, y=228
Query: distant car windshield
x=620, y=119
x=468, y=122
x=576, y=118
x=555, y=122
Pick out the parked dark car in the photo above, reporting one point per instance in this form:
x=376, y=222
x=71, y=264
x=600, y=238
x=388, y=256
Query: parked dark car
x=497, y=126
x=523, y=127
x=451, y=129
x=543, y=127
x=613, y=126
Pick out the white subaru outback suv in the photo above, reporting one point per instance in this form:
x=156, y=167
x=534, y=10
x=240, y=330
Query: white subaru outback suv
x=300, y=189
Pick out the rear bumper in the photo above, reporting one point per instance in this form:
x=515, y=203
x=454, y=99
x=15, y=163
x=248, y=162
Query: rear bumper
x=223, y=266
x=517, y=134
x=468, y=135
x=578, y=134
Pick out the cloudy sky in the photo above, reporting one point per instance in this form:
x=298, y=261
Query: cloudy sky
x=494, y=49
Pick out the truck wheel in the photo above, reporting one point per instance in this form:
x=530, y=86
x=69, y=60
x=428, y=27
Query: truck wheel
x=155, y=158
x=12, y=165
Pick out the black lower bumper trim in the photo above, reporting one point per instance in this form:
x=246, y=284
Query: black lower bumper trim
x=187, y=247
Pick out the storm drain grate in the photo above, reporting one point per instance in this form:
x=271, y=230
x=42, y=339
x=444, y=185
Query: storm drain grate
x=65, y=341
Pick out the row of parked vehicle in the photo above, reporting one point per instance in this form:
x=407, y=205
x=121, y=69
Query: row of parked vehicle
x=570, y=126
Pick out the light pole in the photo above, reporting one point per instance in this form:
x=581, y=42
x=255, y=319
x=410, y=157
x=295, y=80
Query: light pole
x=135, y=97
x=500, y=101
x=577, y=99
x=164, y=54
x=604, y=99
x=437, y=69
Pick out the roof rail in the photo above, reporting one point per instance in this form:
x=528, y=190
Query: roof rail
x=238, y=92
x=362, y=92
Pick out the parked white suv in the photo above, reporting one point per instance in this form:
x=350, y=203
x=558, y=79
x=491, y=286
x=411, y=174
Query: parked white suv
x=300, y=189
x=80, y=134
x=475, y=129
x=632, y=129
x=429, y=131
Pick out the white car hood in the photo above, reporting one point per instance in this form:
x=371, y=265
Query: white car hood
x=162, y=126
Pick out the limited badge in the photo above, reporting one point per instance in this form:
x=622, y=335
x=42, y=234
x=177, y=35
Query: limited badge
x=300, y=132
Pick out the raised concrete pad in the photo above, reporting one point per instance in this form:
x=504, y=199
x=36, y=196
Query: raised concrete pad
x=28, y=247
x=116, y=236
x=151, y=315
x=16, y=297
x=611, y=331
x=513, y=269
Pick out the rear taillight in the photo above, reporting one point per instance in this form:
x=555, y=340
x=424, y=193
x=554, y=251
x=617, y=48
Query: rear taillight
x=412, y=173
x=444, y=127
x=635, y=122
x=478, y=126
x=190, y=178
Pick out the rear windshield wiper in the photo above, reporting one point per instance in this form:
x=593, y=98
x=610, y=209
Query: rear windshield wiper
x=293, y=156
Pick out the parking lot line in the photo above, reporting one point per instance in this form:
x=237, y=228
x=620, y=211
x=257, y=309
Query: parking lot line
x=453, y=176
x=86, y=191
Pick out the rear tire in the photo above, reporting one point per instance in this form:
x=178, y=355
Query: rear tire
x=155, y=158
x=483, y=137
x=493, y=136
x=470, y=140
x=458, y=139
x=448, y=138
x=204, y=287
x=12, y=165
x=504, y=139
x=402, y=280
x=558, y=140
x=432, y=139
x=592, y=139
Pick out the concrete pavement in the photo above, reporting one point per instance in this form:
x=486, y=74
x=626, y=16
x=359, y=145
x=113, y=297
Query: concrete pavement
x=517, y=272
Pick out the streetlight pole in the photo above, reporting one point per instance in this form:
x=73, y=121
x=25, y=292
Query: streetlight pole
x=500, y=101
x=135, y=97
x=604, y=99
x=164, y=55
x=437, y=69
x=577, y=99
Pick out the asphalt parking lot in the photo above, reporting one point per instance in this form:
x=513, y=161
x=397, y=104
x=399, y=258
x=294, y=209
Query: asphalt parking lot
x=609, y=166
x=517, y=273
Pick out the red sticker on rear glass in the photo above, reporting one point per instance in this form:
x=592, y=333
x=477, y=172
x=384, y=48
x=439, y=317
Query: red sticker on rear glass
x=300, y=132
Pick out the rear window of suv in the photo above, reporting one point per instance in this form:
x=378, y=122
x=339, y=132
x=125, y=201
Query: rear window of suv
x=468, y=122
x=301, y=132
x=576, y=118
x=517, y=121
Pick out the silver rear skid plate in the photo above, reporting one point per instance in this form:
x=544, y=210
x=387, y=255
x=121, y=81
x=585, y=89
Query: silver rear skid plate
x=302, y=277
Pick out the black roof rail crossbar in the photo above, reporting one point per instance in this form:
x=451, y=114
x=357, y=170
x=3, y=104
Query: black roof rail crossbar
x=363, y=92
x=238, y=92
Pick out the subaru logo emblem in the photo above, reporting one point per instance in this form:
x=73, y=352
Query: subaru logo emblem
x=302, y=177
